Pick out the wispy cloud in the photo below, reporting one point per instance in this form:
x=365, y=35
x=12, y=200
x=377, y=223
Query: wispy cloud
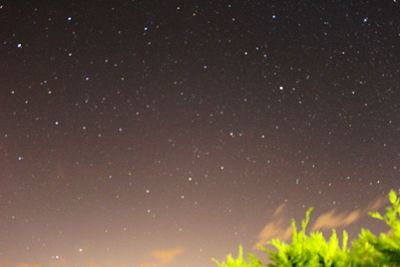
x=159, y=258
x=55, y=265
x=332, y=219
x=377, y=204
x=276, y=228
x=278, y=211
x=163, y=257
x=279, y=226
x=166, y=256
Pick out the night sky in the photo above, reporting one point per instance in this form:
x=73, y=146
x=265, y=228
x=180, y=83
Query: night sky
x=164, y=133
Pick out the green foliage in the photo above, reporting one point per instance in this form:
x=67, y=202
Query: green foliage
x=252, y=260
x=309, y=250
x=314, y=250
x=368, y=249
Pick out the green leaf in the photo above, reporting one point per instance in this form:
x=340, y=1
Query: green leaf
x=376, y=215
x=314, y=250
x=392, y=197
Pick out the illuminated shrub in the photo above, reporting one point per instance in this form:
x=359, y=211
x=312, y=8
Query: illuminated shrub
x=314, y=250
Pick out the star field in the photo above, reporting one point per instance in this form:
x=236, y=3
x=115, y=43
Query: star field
x=165, y=133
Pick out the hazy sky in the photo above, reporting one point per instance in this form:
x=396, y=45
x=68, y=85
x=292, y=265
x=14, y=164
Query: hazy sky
x=164, y=133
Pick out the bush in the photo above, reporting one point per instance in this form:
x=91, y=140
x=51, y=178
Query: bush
x=252, y=260
x=314, y=250
x=368, y=249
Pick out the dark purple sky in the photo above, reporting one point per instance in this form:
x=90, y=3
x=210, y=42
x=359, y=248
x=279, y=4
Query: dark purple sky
x=164, y=133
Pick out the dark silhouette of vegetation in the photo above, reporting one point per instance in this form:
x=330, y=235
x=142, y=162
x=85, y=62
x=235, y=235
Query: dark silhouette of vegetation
x=313, y=250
